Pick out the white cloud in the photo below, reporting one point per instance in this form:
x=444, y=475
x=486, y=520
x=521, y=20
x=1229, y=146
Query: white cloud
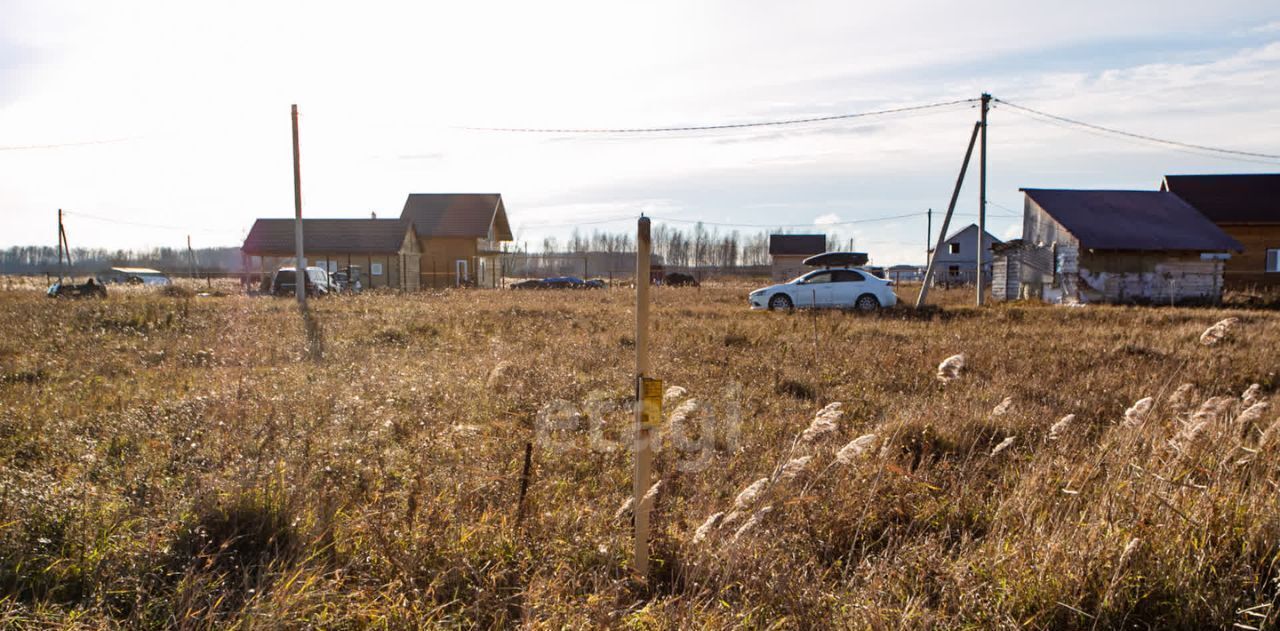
x=201, y=96
x=827, y=219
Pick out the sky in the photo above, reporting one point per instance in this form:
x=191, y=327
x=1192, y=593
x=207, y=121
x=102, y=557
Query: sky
x=150, y=121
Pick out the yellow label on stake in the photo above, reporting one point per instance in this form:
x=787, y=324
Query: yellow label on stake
x=650, y=401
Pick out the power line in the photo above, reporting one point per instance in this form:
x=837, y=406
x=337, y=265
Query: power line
x=796, y=225
x=1120, y=132
x=187, y=229
x=776, y=123
x=62, y=145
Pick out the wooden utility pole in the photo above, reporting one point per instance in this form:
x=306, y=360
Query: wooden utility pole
x=300, y=270
x=982, y=198
x=928, y=233
x=946, y=221
x=643, y=451
x=60, y=233
x=191, y=258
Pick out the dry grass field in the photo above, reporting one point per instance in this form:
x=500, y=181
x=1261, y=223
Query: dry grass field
x=171, y=461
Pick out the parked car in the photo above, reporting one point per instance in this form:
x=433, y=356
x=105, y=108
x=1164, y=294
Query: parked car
x=135, y=276
x=69, y=289
x=284, y=283
x=346, y=280
x=678, y=279
x=559, y=282
x=841, y=288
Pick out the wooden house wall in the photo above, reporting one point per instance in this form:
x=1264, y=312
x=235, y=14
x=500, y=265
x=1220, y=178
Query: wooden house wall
x=438, y=262
x=1248, y=268
x=785, y=267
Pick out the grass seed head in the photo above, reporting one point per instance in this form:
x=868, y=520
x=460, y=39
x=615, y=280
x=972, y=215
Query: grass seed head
x=824, y=422
x=625, y=509
x=753, y=522
x=855, y=448
x=951, y=368
x=651, y=495
x=1057, y=429
x=683, y=411
x=1252, y=395
x=1135, y=415
x=1218, y=332
x=794, y=468
x=1252, y=415
x=749, y=495
x=673, y=394
x=707, y=526
x=1002, y=408
x=1004, y=444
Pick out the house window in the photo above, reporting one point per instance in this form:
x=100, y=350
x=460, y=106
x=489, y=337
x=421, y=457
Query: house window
x=953, y=270
x=1273, y=260
x=375, y=269
x=954, y=248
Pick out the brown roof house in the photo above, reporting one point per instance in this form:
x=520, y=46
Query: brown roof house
x=460, y=236
x=787, y=253
x=440, y=240
x=383, y=249
x=1247, y=207
x=1082, y=246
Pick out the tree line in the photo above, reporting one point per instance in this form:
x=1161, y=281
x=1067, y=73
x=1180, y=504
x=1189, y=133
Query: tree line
x=43, y=259
x=699, y=246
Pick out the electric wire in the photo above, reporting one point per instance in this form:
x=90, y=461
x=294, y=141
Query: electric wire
x=1251, y=156
x=139, y=224
x=715, y=127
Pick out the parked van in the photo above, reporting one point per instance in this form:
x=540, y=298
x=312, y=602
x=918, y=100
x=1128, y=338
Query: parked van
x=284, y=283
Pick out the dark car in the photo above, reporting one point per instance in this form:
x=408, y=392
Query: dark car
x=285, y=282
x=677, y=279
x=560, y=282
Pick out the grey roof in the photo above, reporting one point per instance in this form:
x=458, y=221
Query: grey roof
x=797, y=244
x=1247, y=198
x=457, y=215
x=1132, y=220
x=271, y=237
x=972, y=226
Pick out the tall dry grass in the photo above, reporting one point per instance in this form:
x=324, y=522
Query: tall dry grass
x=185, y=462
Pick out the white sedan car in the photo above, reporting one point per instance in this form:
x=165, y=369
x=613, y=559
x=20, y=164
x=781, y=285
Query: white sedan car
x=849, y=288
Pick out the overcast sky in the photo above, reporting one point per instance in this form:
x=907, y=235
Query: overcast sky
x=177, y=113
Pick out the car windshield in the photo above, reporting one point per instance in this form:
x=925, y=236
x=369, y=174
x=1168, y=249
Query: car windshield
x=285, y=276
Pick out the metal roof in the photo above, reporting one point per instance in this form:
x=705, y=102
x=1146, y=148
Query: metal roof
x=1132, y=220
x=457, y=215
x=797, y=244
x=1245, y=198
x=328, y=236
x=974, y=227
x=137, y=270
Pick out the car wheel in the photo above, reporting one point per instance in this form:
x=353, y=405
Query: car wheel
x=866, y=302
x=780, y=302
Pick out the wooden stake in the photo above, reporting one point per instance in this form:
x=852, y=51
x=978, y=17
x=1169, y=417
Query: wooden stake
x=643, y=451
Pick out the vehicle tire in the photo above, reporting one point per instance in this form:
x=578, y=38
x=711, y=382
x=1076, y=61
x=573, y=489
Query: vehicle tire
x=780, y=302
x=866, y=302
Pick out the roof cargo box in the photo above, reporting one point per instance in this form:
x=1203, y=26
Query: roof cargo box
x=837, y=259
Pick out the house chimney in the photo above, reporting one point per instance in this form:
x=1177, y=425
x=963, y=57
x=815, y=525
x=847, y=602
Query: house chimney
x=373, y=215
